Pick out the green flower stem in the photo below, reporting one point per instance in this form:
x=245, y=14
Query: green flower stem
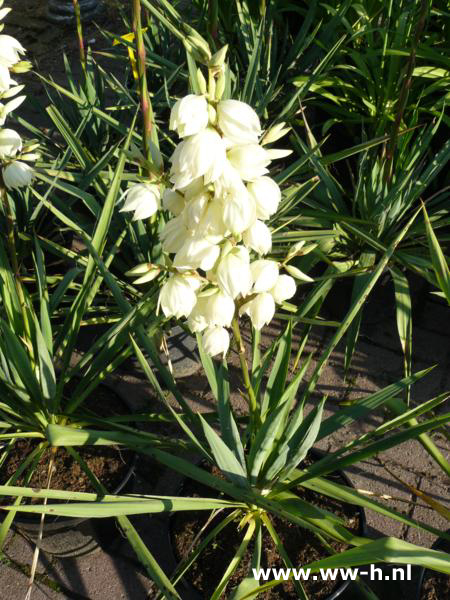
x=81, y=49
x=245, y=371
x=213, y=18
x=146, y=107
x=11, y=241
x=404, y=92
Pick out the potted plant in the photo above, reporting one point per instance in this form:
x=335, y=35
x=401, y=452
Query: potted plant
x=259, y=463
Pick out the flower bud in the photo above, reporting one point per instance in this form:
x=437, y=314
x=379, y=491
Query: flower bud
x=218, y=59
x=150, y=276
x=197, y=46
x=23, y=66
x=283, y=289
x=201, y=81
x=298, y=274
x=275, y=153
x=220, y=86
x=258, y=238
x=275, y=133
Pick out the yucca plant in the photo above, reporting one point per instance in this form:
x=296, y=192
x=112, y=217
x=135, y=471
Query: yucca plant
x=261, y=462
x=260, y=457
x=393, y=64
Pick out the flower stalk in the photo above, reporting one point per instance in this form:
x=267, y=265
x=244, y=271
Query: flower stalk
x=404, y=93
x=252, y=403
x=81, y=48
x=146, y=107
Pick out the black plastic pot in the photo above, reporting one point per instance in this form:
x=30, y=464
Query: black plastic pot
x=70, y=537
x=424, y=574
x=64, y=536
x=193, y=594
x=62, y=11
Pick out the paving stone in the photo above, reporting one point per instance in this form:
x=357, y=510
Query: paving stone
x=439, y=491
x=14, y=585
x=369, y=475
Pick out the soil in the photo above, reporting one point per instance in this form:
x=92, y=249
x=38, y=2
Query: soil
x=109, y=464
x=436, y=586
x=302, y=546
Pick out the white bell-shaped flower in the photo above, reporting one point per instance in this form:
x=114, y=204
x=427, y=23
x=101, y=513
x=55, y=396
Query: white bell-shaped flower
x=177, y=297
x=5, y=79
x=233, y=273
x=211, y=224
x=258, y=238
x=173, y=201
x=260, y=310
x=189, y=115
x=195, y=210
x=220, y=309
x=202, y=154
x=195, y=187
x=239, y=211
x=238, y=122
x=197, y=321
x=250, y=161
x=10, y=51
x=10, y=143
x=143, y=199
x=267, y=196
x=174, y=234
x=283, y=289
x=7, y=108
x=216, y=340
x=197, y=253
x=17, y=174
x=264, y=274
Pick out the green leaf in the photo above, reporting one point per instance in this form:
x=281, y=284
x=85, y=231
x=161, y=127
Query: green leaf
x=46, y=327
x=361, y=407
x=438, y=258
x=388, y=549
x=278, y=374
x=303, y=439
x=225, y=458
x=21, y=361
x=404, y=319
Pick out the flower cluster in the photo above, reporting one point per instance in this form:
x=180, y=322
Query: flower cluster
x=220, y=197
x=15, y=172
